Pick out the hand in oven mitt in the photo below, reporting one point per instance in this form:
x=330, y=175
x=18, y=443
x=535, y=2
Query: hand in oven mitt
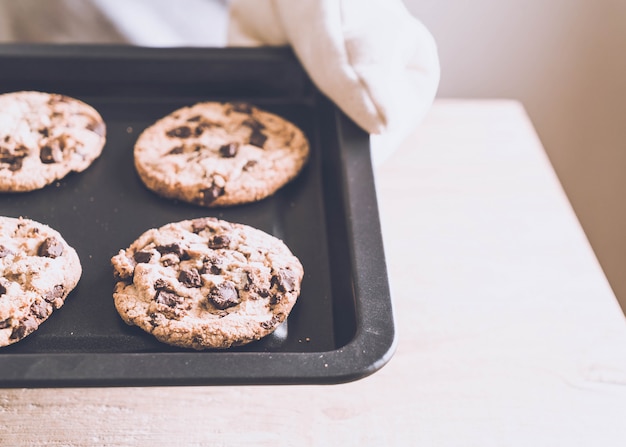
x=373, y=59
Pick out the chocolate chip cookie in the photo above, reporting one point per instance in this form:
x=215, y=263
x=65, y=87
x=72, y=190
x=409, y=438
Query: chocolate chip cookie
x=38, y=269
x=44, y=137
x=219, y=154
x=206, y=283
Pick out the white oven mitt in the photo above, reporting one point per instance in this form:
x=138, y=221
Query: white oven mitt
x=373, y=59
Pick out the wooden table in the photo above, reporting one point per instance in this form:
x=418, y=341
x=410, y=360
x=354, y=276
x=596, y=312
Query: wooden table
x=509, y=334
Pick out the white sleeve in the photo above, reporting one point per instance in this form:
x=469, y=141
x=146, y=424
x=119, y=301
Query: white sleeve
x=376, y=61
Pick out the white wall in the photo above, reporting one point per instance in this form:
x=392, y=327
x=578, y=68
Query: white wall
x=566, y=61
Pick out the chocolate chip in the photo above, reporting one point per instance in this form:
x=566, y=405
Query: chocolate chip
x=170, y=299
x=242, y=107
x=263, y=293
x=211, y=193
x=179, y=132
x=269, y=324
x=249, y=165
x=229, y=150
x=219, y=241
x=4, y=251
x=160, y=284
x=40, y=310
x=5, y=323
x=16, y=164
x=176, y=150
x=204, y=125
x=56, y=293
x=257, y=138
x=212, y=266
x=224, y=295
x=3, y=289
x=285, y=280
x=170, y=248
x=13, y=159
x=275, y=299
x=51, y=247
x=197, y=225
x=97, y=127
x=49, y=155
x=25, y=327
x=169, y=259
x=44, y=132
x=142, y=257
x=190, y=278
x=253, y=124
x=249, y=281
x=57, y=98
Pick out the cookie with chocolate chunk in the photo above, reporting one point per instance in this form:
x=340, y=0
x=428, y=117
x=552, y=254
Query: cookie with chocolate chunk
x=44, y=137
x=220, y=154
x=38, y=269
x=206, y=283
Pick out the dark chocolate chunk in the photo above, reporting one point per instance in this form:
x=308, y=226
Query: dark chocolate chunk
x=57, y=98
x=229, y=150
x=4, y=251
x=48, y=154
x=25, y=327
x=51, y=247
x=3, y=289
x=284, y=280
x=204, y=125
x=142, y=257
x=263, y=293
x=249, y=281
x=224, y=295
x=275, y=299
x=170, y=299
x=190, y=278
x=170, y=248
x=13, y=159
x=16, y=164
x=179, y=132
x=40, y=310
x=249, y=165
x=212, y=266
x=219, y=241
x=45, y=132
x=56, y=293
x=169, y=260
x=242, y=107
x=197, y=225
x=5, y=323
x=269, y=324
x=211, y=193
x=97, y=127
x=253, y=124
x=257, y=138
x=176, y=150
x=160, y=284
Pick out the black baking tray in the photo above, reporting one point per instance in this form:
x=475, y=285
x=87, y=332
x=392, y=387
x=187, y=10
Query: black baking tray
x=341, y=328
